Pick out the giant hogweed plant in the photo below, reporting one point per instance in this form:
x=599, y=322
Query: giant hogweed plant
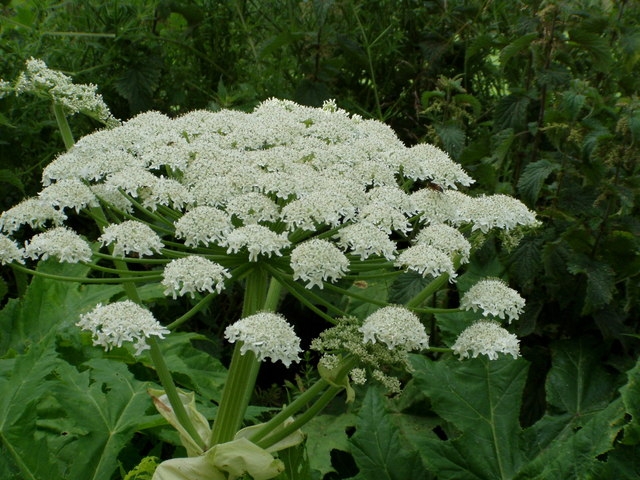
x=284, y=200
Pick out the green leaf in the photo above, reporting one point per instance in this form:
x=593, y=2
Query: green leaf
x=573, y=452
x=407, y=286
x=516, y=47
x=379, y=449
x=533, y=177
x=49, y=305
x=511, y=112
x=577, y=383
x=600, y=282
x=630, y=395
x=105, y=405
x=192, y=368
x=481, y=398
x=23, y=382
x=375, y=289
x=138, y=82
x=581, y=424
x=326, y=433
x=596, y=45
x=452, y=137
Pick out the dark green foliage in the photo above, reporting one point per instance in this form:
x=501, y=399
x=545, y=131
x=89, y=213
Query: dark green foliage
x=535, y=99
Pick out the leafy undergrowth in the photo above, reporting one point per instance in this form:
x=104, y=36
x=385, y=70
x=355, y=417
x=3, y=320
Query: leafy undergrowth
x=67, y=410
x=461, y=420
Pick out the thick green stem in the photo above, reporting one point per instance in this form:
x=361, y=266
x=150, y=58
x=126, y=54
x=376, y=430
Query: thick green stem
x=316, y=408
x=290, y=410
x=63, y=125
x=172, y=392
x=244, y=368
x=265, y=438
x=236, y=394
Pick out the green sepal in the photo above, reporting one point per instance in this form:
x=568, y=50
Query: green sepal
x=225, y=461
x=199, y=421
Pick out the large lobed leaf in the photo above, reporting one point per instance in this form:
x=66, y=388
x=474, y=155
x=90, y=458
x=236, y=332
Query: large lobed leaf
x=481, y=399
x=59, y=421
x=588, y=431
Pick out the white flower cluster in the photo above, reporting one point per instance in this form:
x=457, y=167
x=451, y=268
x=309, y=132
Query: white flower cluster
x=258, y=184
x=267, y=335
x=116, y=323
x=494, y=298
x=396, y=327
x=38, y=79
x=9, y=251
x=193, y=274
x=60, y=242
x=488, y=338
x=316, y=261
x=131, y=236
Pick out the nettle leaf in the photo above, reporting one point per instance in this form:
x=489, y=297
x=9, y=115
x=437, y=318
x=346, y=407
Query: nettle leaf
x=379, y=448
x=600, y=282
x=481, y=399
x=452, y=137
x=139, y=80
x=511, y=112
x=525, y=262
x=533, y=177
x=324, y=434
x=519, y=45
x=595, y=45
x=406, y=286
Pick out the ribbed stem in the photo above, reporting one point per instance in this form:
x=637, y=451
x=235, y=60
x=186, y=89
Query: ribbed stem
x=63, y=125
x=243, y=371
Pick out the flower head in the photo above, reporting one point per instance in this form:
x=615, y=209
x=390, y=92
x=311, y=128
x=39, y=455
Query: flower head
x=38, y=78
x=114, y=324
x=193, y=274
x=486, y=338
x=69, y=193
x=258, y=240
x=365, y=239
x=446, y=239
x=9, y=251
x=34, y=212
x=494, y=298
x=60, y=242
x=316, y=261
x=396, y=327
x=267, y=335
x=203, y=225
x=426, y=260
x=131, y=236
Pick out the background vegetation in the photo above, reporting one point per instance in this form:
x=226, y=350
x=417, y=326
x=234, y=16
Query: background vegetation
x=535, y=98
